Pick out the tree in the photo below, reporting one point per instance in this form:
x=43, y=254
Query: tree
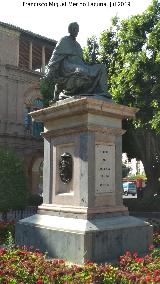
x=47, y=91
x=131, y=51
x=91, y=51
x=12, y=182
x=125, y=170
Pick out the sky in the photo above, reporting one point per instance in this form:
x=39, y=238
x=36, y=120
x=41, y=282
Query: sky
x=51, y=18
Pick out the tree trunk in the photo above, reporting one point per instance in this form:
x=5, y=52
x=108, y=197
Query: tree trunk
x=144, y=145
x=153, y=185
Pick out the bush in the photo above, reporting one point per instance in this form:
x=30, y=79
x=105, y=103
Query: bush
x=25, y=265
x=34, y=200
x=28, y=266
x=12, y=181
x=5, y=228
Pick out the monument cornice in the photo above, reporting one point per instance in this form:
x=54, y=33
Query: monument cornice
x=81, y=105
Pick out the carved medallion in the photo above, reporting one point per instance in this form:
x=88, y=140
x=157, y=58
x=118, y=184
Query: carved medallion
x=65, y=167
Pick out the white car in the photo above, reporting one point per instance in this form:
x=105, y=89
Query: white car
x=129, y=188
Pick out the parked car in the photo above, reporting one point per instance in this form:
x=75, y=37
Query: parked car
x=129, y=188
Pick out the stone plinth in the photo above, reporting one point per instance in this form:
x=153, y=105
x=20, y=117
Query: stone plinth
x=85, y=217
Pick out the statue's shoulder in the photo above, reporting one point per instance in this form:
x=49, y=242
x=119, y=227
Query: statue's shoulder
x=62, y=45
x=65, y=46
x=63, y=40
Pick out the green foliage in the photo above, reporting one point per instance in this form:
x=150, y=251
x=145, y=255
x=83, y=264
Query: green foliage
x=7, y=231
x=138, y=176
x=125, y=170
x=47, y=91
x=12, y=181
x=131, y=51
x=9, y=241
x=156, y=228
x=34, y=200
x=91, y=52
x=24, y=265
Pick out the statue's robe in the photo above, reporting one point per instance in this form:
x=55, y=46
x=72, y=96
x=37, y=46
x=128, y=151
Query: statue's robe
x=68, y=69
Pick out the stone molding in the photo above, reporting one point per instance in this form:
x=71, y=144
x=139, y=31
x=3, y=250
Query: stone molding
x=21, y=74
x=76, y=105
x=81, y=210
x=83, y=128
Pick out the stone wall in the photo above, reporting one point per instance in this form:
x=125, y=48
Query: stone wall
x=9, y=52
x=18, y=89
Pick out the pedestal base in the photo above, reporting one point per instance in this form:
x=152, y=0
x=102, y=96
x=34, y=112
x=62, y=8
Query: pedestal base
x=77, y=240
x=82, y=216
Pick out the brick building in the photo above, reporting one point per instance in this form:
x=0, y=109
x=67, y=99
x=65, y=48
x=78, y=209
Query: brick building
x=23, y=56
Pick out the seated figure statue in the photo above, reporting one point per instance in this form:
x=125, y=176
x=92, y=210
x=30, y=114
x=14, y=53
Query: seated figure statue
x=70, y=74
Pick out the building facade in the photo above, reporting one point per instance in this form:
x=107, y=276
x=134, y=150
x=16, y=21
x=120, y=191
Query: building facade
x=23, y=57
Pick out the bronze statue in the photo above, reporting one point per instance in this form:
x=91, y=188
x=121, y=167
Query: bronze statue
x=70, y=74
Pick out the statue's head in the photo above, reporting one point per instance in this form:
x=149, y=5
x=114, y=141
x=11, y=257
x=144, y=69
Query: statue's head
x=73, y=29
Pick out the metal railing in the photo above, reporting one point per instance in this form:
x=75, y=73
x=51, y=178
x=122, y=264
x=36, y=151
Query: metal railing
x=20, y=214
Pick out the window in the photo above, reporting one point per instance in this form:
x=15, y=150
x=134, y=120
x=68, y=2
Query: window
x=33, y=127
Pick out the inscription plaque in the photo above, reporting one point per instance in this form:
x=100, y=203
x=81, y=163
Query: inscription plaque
x=105, y=169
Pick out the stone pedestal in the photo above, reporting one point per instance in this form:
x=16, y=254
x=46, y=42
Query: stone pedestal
x=84, y=217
